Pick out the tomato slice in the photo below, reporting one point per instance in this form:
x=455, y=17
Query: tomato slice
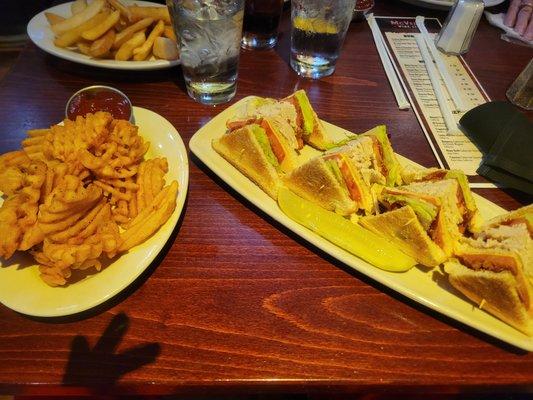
x=378, y=151
x=276, y=145
x=347, y=175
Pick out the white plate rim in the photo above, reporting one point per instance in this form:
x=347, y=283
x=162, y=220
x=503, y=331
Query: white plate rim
x=42, y=36
x=151, y=247
x=200, y=146
x=448, y=3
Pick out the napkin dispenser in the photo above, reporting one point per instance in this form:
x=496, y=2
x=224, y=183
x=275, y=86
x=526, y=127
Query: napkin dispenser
x=505, y=137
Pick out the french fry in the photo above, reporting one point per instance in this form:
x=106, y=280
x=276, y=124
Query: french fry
x=149, y=220
x=124, y=11
x=156, y=13
x=76, y=20
x=141, y=53
x=92, y=20
x=125, y=52
x=121, y=24
x=84, y=48
x=100, y=29
x=78, y=6
x=169, y=33
x=74, y=35
x=128, y=33
x=53, y=18
x=165, y=48
x=101, y=46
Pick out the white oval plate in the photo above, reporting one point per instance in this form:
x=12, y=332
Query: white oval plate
x=21, y=288
x=40, y=33
x=445, y=4
x=415, y=284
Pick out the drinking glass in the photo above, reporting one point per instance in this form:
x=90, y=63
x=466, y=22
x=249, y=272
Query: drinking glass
x=209, y=35
x=318, y=28
x=261, y=21
x=520, y=93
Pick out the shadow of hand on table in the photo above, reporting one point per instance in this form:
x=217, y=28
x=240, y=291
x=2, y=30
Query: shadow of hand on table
x=101, y=365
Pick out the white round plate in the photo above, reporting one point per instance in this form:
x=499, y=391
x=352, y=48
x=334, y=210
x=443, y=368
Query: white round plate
x=21, y=288
x=40, y=33
x=445, y=4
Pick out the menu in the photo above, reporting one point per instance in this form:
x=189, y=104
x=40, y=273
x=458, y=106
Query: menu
x=453, y=149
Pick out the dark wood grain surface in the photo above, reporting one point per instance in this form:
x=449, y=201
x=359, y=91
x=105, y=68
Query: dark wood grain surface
x=236, y=303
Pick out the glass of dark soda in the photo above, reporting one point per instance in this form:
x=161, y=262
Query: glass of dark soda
x=261, y=22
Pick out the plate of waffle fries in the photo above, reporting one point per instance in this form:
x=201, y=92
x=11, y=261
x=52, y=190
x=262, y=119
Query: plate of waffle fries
x=115, y=34
x=86, y=207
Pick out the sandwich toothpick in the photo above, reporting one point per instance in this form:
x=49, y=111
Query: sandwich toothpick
x=443, y=70
x=446, y=112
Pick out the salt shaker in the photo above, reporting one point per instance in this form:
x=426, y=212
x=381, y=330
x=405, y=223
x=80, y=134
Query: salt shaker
x=456, y=35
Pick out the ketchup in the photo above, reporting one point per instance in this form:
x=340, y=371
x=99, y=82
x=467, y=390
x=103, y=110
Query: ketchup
x=99, y=100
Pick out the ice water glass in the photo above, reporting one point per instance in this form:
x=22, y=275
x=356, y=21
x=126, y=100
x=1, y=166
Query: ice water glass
x=209, y=34
x=318, y=28
x=261, y=22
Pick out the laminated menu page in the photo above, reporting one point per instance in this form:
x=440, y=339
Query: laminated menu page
x=453, y=150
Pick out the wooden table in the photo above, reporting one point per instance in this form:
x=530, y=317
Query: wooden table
x=236, y=303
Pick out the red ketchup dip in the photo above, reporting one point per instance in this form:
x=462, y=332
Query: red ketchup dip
x=99, y=98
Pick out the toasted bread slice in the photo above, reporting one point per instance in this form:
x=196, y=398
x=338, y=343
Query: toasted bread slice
x=467, y=204
x=429, y=211
x=390, y=166
x=313, y=132
x=495, y=292
x=371, y=152
x=315, y=182
x=520, y=215
x=242, y=149
x=282, y=115
x=510, y=235
x=403, y=228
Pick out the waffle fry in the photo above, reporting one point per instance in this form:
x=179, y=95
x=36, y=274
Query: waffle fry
x=72, y=195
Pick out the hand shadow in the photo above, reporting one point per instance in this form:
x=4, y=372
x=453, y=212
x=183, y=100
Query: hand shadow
x=101, y=365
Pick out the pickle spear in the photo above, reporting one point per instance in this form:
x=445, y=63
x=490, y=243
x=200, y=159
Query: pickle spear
x=353, y=238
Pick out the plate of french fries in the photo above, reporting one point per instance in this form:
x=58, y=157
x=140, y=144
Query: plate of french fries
x=85, y=208
x=115, y=34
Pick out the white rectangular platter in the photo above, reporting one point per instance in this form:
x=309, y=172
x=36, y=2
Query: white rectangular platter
x=416, y=284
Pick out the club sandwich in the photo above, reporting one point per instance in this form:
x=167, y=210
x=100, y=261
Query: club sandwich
x=452, y=212
x=292, y=116
x=407, y=229
x=371, y=152
x=259, y=152
x=332, y=182
x=308, y=124
x=495, y=269
x=472, y=220
x=282, y=116
x=428, y=210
